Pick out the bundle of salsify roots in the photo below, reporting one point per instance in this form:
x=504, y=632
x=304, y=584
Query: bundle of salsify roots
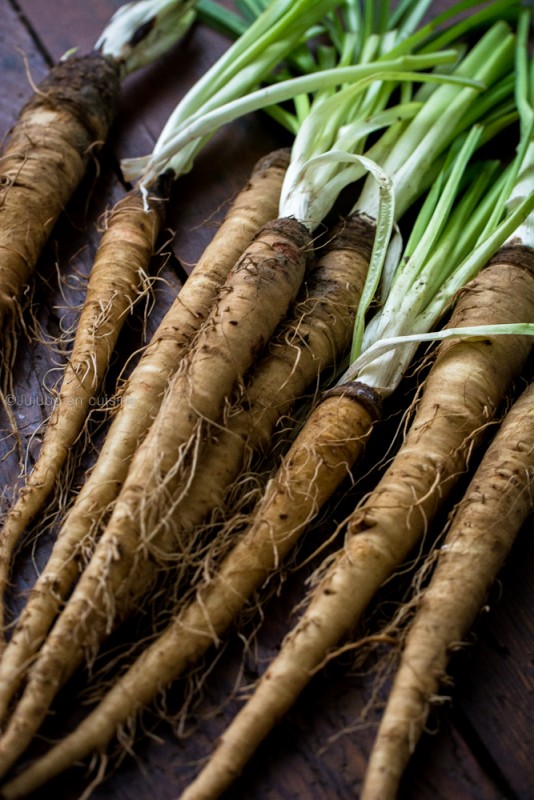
x=254, y=327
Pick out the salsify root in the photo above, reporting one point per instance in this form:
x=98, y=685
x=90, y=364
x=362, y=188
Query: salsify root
x=218, y=601
x=485, y=524
x=462, y=392
x=254, y=298
x=313, y=337
x=381, y=533
x=45, y=159
x=140, y=400
x=116, y=280
x=257, y=553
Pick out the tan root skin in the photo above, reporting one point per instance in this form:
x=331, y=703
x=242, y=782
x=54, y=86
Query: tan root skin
x=483, y=530
x=276, y=527
x=387, y=526
x=314, y=337
x=140, y=534
x=311, y=339
x=440, y=442
x=45, y=160
x=255, y=205
x=120, y=267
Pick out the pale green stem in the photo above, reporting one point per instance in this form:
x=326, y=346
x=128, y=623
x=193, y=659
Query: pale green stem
x=431, y=132
x=384, y=372
x=409, y=280
x=140, y=32
x=169, y=155
x=268, y=39
x=384, y=346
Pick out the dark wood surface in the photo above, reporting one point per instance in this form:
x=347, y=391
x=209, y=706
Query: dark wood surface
x=483, y=738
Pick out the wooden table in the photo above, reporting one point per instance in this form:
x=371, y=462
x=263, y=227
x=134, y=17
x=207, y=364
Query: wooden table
x=483, y=740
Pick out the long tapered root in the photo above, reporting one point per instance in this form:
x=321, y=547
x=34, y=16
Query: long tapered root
x=140, y=534
x=313, y=337
x=464, y=388
x=340, y=428
x=332, y=440
x=121, y=265
x=486, y=521
x=255, y=204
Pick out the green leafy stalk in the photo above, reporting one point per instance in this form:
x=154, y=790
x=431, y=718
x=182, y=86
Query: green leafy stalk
x=440, y=120
x=429, y=226
x=250, y=60
x=270, y=38
x=474, y=332
x=454, y=236
x=524, y=175
x=174, y=154
x=281, y=28
x=221, y=19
